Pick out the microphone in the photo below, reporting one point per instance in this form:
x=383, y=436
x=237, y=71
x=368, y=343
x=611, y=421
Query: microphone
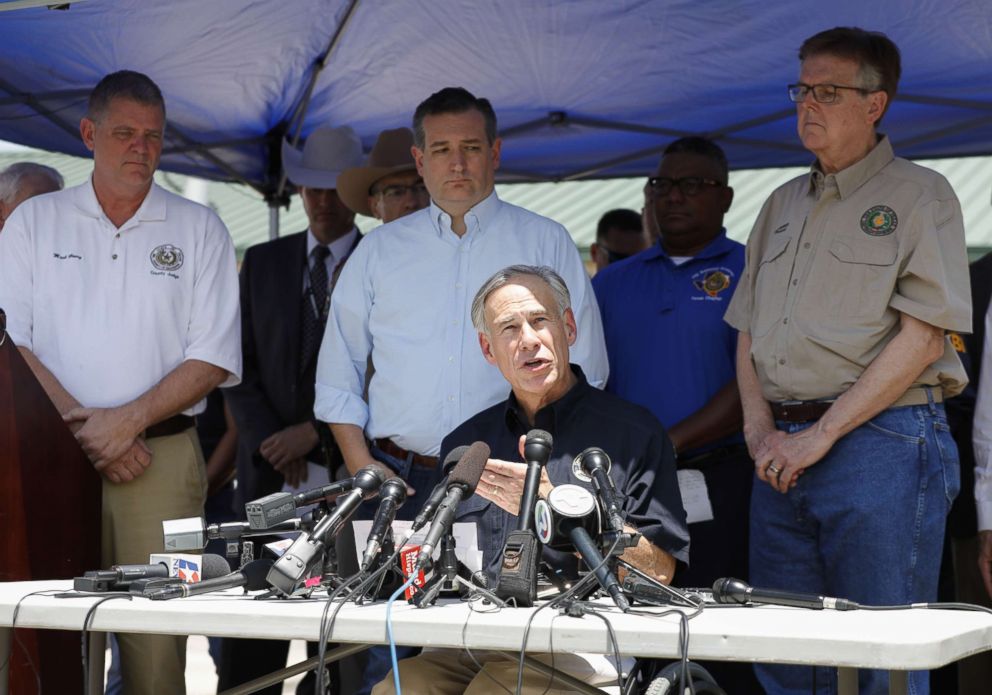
x=593, y=464
x=294, y=564
x=268, y=511
x=571, y=509
x=730, y=590
x=251, y=576
x=392, y=495
x=461, y=483
x=537, y=450
x=192, y=533
x=437, y=494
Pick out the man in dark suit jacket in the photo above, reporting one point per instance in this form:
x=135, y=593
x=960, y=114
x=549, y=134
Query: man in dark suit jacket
x=285, y=290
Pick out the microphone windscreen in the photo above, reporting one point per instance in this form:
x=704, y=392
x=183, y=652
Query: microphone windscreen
x=255, y=572
x=213, y=566
x=536, y=435
x=469, y=469
x=453, y=457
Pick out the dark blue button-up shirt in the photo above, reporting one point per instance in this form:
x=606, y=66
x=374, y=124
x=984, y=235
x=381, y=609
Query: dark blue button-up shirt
x=643, y=466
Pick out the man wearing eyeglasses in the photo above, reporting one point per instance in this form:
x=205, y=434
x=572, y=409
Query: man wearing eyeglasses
x=671, y=352
x=388, y=186
x=854, y=274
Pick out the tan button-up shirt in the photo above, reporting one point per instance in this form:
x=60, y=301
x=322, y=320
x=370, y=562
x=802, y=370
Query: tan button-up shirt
x=834, y=259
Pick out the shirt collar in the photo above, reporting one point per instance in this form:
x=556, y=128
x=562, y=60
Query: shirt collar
x=478, y=217
x=848, y=180
x=339, y=247
x=718, y=246
x=548, y=417
x=153, y=207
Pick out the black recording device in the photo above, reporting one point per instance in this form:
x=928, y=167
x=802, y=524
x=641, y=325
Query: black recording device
x=522, y=553
x=251, y=577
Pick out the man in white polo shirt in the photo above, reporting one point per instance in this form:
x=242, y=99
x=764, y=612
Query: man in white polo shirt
x=123, y=299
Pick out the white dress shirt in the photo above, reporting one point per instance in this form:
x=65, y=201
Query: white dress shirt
x=405, y=297
x=111, y=311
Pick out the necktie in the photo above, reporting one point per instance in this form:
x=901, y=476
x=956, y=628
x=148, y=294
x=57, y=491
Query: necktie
x=314, y=307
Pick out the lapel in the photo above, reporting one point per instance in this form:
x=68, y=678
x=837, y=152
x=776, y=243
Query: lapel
x=290, y=266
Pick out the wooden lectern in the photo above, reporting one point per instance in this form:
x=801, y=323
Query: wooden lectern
x=49, y=517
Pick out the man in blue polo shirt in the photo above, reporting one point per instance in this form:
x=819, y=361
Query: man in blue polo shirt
x=670, y=351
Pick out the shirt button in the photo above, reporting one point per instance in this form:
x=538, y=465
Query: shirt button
x=451, y=358
x=795, y=281
x=781, y=361
x=785, y=320
x=451, y=398
x=806, y=245
x=118, y=235
x=458, y=285
x=114, y=256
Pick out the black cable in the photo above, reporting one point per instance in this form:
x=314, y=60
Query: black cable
x=17, y=637
x=87, y=621
x=616, y=647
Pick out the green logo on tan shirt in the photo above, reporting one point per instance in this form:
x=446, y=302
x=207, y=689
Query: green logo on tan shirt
x=880, y=220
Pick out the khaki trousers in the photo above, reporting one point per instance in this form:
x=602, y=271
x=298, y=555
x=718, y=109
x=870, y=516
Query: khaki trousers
x=452, y=672
x=172, y=487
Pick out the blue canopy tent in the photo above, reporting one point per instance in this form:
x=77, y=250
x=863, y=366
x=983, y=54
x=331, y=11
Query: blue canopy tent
x=582, y=88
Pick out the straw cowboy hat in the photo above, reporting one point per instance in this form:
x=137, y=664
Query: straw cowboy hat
x=327, y=152
x=391, y=155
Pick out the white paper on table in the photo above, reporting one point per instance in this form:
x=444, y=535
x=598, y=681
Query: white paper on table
x=695, y=496
x=466, y=540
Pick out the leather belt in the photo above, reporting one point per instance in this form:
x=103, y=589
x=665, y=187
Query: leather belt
x=800, y=411
x=170, y=426
x=388, y=447
x=809, y=411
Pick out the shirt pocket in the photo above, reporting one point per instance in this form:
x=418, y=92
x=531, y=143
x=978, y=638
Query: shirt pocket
x=859, y=277
x=771, y=285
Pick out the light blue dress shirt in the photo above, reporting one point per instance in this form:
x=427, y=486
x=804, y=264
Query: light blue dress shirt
x=405, y=296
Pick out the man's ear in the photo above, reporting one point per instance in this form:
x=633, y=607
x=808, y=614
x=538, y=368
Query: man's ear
x=570, y=330
x=87, y=130
x=496, y=148
x=418, y=159
x=876, y=106
x=487, y=348
x=727, y=198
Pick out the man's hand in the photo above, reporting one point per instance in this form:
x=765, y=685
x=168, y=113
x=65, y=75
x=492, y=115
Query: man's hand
x=106, y=434
x=781, y=460
x=295, y=471
x=502, y=483
x=287, y=445
x=129, y=466
x=985, y=558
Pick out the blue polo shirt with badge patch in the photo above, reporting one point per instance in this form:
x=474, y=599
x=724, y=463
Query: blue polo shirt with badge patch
x=669, y=348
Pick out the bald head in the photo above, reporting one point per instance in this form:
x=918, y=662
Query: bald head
x=24, y=180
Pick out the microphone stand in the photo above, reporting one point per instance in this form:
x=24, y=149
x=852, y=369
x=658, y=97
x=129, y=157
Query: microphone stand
x=449, y=575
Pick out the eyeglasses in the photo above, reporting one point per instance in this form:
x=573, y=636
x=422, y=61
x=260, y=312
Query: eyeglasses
x=397, y=191
x=823, y=93
x=689, y=185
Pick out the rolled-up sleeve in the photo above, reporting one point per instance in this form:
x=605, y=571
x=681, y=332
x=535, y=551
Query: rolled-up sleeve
x=214, y=334
x=343, y=359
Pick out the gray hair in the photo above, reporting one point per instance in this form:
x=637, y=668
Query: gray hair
x=15, y=175
x=501, y=278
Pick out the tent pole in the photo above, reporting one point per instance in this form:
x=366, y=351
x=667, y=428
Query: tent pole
x=273, y=220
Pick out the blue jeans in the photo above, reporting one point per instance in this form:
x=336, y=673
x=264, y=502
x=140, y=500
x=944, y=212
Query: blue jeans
x=378, y=661
x=864, y=523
